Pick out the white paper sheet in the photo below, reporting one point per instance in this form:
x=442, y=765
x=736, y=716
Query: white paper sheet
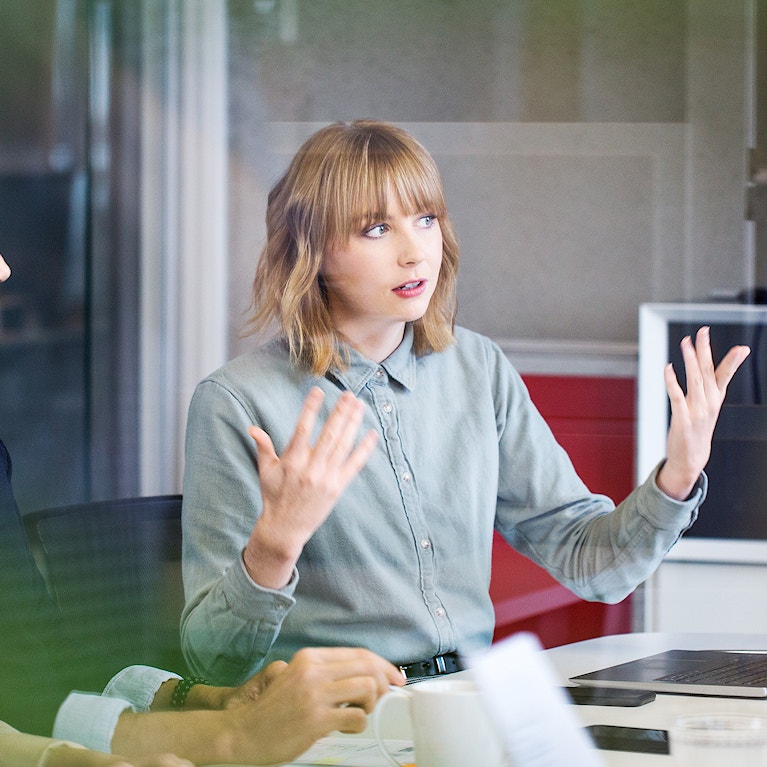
x=356, y=752
x=528, y=707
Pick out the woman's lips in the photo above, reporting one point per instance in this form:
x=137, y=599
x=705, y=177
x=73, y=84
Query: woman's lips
x=411, y=289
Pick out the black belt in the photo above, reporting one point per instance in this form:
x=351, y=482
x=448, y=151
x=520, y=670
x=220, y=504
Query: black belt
x=436, y=666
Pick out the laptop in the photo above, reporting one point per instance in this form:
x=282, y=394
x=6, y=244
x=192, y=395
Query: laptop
x=722, y=673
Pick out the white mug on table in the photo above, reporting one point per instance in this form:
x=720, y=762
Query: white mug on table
x=449, y=722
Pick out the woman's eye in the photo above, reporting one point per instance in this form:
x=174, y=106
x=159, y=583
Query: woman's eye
x=379, y=230
x=427, y=220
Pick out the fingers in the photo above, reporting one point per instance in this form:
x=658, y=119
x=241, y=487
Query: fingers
x=264, y=445
x=376, y=671
x=340, y=430
x=694, y=414
x=335, y=446
x=702, y=378
x=350, y=661
x=729, y=365
x=675, y=392
x=362, y=692
x=692, y=366
x=307, y=418
x=362, y=453
x=350, y=675
x=350, y=719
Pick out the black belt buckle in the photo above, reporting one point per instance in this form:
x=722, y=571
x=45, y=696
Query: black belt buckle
x=436, y=666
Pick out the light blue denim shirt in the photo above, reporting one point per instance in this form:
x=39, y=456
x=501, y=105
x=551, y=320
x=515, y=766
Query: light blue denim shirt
x=402, y=565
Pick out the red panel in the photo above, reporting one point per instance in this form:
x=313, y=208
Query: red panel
x=583, y=397
x=594, y=420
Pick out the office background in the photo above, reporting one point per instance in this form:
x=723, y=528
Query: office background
x=595, y=156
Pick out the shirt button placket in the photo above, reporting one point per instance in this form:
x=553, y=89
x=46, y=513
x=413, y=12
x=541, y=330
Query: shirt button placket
x=406, y=478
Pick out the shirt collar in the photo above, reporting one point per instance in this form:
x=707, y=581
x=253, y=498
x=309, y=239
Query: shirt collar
x=400, y=365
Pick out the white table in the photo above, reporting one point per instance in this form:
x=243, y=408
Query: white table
x=581, y=657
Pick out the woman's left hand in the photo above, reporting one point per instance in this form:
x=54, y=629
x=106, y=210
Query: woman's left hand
x=694, y=415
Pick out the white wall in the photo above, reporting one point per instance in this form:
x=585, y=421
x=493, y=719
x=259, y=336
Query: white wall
x=592, y=152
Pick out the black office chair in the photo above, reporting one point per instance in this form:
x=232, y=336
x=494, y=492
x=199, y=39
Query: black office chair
x=114, y=568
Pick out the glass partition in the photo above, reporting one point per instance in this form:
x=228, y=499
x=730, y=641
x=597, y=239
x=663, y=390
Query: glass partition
x=67, y=314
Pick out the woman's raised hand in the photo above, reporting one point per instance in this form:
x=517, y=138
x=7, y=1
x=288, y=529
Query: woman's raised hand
x=300, y=487
x=694, y=414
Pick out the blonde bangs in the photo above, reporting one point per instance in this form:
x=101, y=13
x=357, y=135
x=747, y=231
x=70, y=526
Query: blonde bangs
x=364, y=171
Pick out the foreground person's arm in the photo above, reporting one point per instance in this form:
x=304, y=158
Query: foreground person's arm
x=320, y=691
x=21, y=750
x=70, y=756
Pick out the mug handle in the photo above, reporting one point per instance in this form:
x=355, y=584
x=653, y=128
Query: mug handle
x=395, y=694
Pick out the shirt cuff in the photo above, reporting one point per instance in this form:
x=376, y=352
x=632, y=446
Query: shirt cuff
x=670, y=512
x=697, y=494
x=89, y=719
x=138, y=685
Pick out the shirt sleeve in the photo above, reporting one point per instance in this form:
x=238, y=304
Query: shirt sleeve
x=599, y=551
x=138, y=685
x=89, y=719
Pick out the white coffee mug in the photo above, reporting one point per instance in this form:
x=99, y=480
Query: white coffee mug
x=449, y=724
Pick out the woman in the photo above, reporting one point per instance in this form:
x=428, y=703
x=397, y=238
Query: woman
x=358, y=277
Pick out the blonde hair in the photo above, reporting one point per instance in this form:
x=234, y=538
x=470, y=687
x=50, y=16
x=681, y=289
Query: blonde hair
x=338, y=181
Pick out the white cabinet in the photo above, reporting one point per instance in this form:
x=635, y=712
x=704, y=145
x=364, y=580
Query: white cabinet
x=707, y=597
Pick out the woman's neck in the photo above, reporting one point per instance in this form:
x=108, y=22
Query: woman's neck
x=375, y=345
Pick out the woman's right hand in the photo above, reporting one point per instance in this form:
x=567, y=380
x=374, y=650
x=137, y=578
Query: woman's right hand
x=300, y=488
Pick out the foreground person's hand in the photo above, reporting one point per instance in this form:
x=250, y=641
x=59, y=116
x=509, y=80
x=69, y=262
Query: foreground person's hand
x=321, y=690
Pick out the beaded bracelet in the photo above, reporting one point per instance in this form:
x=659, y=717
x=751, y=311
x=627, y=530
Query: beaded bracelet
x=178, y=698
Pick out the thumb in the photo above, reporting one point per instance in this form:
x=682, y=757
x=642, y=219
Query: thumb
x=264, y=446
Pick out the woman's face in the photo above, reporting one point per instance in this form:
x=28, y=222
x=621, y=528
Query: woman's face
x=383, y=277
x=5, y=270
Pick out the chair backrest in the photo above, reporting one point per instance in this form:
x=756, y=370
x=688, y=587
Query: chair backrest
x=114, y=568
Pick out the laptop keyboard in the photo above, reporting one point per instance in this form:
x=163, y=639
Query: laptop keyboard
x=740, y=672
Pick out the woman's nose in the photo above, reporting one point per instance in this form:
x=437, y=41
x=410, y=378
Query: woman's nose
x=410, y=251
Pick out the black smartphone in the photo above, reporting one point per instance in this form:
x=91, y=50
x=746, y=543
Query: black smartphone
x=639, y=739
x=608, y=696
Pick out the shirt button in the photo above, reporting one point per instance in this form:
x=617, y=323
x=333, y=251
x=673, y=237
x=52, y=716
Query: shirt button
x=426, y=543
x=387, y=407
x=439, y=612
x=406, y=477
x=379, y=373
